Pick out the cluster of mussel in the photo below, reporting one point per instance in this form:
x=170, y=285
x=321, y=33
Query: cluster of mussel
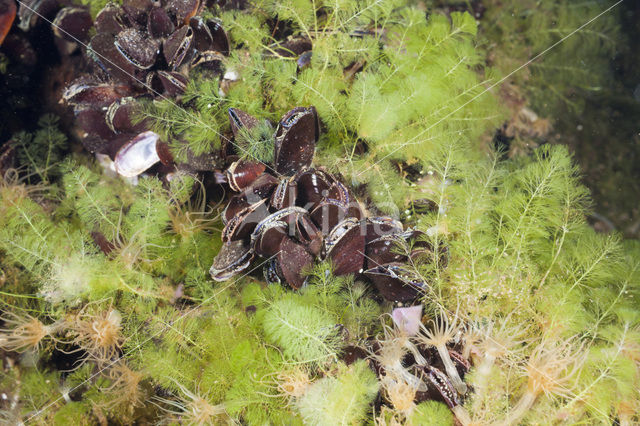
x=141, y=50
x=291, y=214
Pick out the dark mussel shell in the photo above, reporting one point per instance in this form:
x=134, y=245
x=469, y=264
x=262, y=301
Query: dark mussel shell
x=292, y=47
x=345, y=247
x=159, y=24
x=462, y=364
x=137, y=48
x=240, y=119
x=166, y=158
x=241, y=174
x=120, y=114
x=173, y=83
x=439, y=382
x=384, y=250
x=268, y=241
x=110, y=20
x=376, y=227
x=137, y=11
x=8, y=11
x=236, y=204
x=304, y=60
x=73, y=24
x=233, y=257
x=288, y=215
x=177, y=47
x=395, y=282
x=103, y=51
x=91, y=121
x=183, y=10
x=260, y=189
x=244, y=222
x=270, y=272
x=339, y=192
x=30, y=11
x=202, y=38
x=92, y=93
x=220, y=42
x=293, y=260
x=296, y=138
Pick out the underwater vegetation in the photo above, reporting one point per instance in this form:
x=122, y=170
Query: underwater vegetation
x=314, y=223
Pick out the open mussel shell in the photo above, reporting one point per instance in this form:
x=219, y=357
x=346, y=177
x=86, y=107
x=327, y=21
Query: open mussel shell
x=284, y=194
x=308, y=234
x=328, y=213
x=138, y=49
x=233, y=257
x=137, y=155
x=8, y=11
x=177, y=47
x=344, y=247
x=242, y=225
x=396, y=282
x=439, y=387
x=202, y=38
x=461, y=363
x=73, y=24
x=293, y=260
x=295, y=140
x=260, y=189
x=313, y=187
x=289, y=216
x=241, y=174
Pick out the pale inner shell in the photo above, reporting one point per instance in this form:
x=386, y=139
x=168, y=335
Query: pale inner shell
x=137, y=155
